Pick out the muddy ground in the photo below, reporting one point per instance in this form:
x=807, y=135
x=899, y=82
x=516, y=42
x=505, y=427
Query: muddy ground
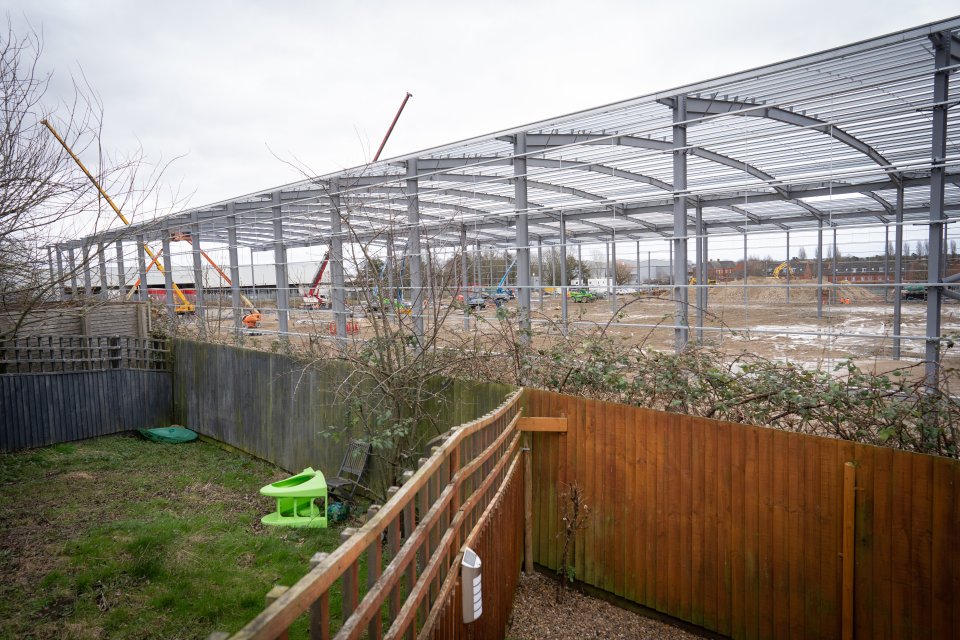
x=853, y=322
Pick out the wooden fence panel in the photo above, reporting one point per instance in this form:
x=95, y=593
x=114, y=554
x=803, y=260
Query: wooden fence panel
x=739, y=529
x=40, y=409
x=274, y=406
x=469, y=492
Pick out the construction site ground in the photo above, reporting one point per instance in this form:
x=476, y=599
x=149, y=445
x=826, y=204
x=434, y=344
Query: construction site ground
x=854, y=322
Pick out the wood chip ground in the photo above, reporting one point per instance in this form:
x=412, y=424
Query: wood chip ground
x=536, y=615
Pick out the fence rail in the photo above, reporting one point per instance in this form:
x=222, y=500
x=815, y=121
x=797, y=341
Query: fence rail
x=742, y=530
x=45, y=354
x=452, y=499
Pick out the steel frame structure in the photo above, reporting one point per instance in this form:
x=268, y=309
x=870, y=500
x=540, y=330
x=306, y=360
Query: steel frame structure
x=856, y=135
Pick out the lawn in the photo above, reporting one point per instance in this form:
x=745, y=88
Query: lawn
x=119, y=537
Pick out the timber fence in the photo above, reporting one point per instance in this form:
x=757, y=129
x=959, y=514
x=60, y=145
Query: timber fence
x=283, y=409
x=468, y=492
x=752, y=532
x=60, y=389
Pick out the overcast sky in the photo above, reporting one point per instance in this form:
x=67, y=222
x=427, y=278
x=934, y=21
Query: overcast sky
x=227, y=82
x=233, y=85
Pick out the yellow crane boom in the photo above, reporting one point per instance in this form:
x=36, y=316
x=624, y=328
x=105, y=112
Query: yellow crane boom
x=185, y=305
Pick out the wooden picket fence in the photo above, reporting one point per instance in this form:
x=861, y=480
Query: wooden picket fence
x=469, y=492
x=752, y=532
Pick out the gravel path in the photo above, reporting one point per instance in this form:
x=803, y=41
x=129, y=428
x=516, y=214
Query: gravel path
x=536, y=615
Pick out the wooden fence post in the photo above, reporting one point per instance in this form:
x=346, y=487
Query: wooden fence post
x=272, y=596
x=374, y=561
x=527, y=506
x=320, y=610
x=351, y=579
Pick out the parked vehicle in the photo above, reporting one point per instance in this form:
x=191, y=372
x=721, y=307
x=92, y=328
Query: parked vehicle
x=582, y=295
x=477, y=303
x=914, y=292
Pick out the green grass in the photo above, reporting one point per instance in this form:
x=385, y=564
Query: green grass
x=122, y=538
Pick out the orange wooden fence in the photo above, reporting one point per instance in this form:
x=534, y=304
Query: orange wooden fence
x=740, y=529
x=469, y=489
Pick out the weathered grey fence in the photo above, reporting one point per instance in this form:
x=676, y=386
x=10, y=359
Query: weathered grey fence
x=85, y=393
x=274, y=407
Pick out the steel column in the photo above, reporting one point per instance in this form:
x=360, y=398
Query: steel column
x=789, y=267
x=337, y=287
x=102, y=267
x=886, y=262
x=233, y=254
x=638, y=267
x=941, y=94
x=700, y=271
x=898, y=272
x=142, y=268
x=391, y=265
x=60, y=277
x=540, y=270
x=522, y=241
x=681, y=323
x=836, y=284
x=72, y=262
x=53, y=272
x=168, y=275
x=197, y=267
x=611, y=277
x=413, y=249
x=563, y=274
x=121, y=272
x=746, y=294
x=464, y=277
x=280, y=267
x=580, y=277
x=87, y=276
x=820, y=268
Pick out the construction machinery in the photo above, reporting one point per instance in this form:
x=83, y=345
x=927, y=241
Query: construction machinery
x=252, y=316
x=582, y=295
x=780, y=268
x=314, y=299
x=183, y=305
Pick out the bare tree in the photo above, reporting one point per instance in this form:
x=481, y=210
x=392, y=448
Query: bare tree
x=44, y=196
x=623, y=272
